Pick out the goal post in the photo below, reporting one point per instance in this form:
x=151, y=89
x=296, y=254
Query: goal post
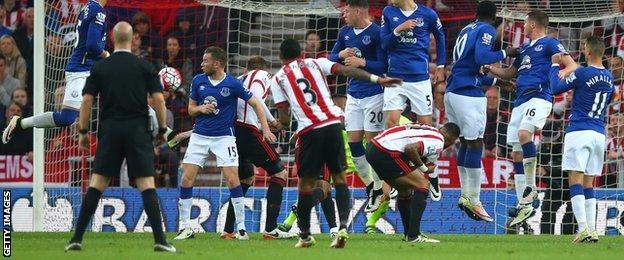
x=38, y=108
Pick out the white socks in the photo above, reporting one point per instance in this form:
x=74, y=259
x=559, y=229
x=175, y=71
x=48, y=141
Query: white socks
x=45, y=120
x=239, y=212
x=530, y=165
x=578, y=207
x=363, y=169
x=520, y=183
x=463, y=180
x=474, y=184
x=184, y=207
x=590, y=211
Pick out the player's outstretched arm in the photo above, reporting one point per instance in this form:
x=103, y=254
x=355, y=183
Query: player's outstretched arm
x=255, y=103
x=569, y=63
x=363, y=75
x=557, y=85
x=503, y=73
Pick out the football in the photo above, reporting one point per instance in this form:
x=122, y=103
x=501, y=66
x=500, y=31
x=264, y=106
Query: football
x=170, y=78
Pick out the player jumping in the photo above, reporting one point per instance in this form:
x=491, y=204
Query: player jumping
x=532, y=105
x=301, y=84
x=358, y=45
x=465, y=102
x=584, y=142
x=213, y=100
x=89, y=47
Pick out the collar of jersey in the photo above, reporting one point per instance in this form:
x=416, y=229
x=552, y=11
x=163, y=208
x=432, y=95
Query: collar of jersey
x=217, y=82
x=361, y=30
x=413, y=11
x=534, y=41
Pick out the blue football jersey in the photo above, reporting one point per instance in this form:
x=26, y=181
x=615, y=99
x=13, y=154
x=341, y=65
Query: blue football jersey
x=368, y=46
x=593, y=91
x=90, y=37
x=472, y=49
x=408, y=52
x=224, y=95
x=533, y=64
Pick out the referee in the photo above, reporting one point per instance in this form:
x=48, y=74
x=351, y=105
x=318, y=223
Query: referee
x=123, y=82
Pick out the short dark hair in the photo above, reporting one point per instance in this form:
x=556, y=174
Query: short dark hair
x=595, y=45
x=539, y=17
x=2, y=57
x=452, y=129
x=290, y=49
x=217, y=54
x=486, y=10
x=311, y=32
x=358, y=3
x=256, y=63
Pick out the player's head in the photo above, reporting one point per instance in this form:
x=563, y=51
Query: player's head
x=214, y=60
x=450, y=131
x=122, y=35
x=594, y=48
x=486, y=11
x=290, y=50
x=257, y=63
x=355, y=12
x=312, y=41
x=102, y=2
x=400, y=2
x=535, y=22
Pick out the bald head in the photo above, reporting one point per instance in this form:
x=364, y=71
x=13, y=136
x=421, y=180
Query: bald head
x=122, y=33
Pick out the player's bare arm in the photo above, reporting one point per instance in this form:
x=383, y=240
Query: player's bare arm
x=257, y=107
x=503, y=73
x=569, y=64
x=194, y=109
x=411, y=151
x=363, y=75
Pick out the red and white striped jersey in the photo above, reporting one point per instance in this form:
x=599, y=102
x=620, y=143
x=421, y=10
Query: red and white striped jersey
x=302, y=84
x=396, y=138
x=514, y=32
x=257, y=82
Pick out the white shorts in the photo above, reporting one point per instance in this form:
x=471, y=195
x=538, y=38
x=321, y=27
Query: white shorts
x=364, y=114
x=469, y=113
x=583, y=151
x=418, y=93
x=75, y=82
x=533, y=112
x=224, y=147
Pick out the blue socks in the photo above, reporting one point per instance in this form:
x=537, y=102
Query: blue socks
x=65, y=117
x=357, y=149
x=186, y=193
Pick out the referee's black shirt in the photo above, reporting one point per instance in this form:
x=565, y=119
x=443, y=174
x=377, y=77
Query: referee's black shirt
x=123, y=82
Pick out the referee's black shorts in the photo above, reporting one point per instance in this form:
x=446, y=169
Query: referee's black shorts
x=130, y=139
x=253, y=149
x=320, y=147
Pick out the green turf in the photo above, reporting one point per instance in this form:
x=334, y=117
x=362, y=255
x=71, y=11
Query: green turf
x=209, y=246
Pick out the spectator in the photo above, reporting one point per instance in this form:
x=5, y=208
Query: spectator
x=14, y=15
x=493, y=137
x=312, y=47
x=20, y=97
x=3, y=29
x=24, y=36
x=175, y=58
x=15, y=63
x=150, y=40
x=8, y=83
x=178, y=104
x=24, y=138
x=136, y=47
x=191, y=41
x=615, y=65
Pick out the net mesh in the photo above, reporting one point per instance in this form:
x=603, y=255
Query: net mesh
x=570, y=22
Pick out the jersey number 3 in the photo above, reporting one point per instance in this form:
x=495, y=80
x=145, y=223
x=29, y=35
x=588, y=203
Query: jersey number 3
x=304, y=85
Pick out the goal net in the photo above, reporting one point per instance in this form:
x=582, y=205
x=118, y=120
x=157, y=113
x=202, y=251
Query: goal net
x=570, y=22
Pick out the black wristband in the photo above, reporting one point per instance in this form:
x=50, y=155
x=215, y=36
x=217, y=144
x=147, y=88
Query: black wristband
x=83, y=131
x=162, y=130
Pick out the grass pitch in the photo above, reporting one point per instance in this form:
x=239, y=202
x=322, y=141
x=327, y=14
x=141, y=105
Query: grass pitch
x=360, y=246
